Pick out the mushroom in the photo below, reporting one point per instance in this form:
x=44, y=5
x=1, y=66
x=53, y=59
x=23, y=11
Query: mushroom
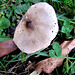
x=37, y=29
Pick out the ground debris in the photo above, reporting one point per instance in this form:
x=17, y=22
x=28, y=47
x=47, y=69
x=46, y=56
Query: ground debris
x=49, y=64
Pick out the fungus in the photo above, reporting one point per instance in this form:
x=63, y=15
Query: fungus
x=37, y=28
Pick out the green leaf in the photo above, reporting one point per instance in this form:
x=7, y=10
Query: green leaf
x=22, y=56
x=3, y=34
x=63, y=18
x=2, y=12
x=4, y=23
x=57, y=49
x=22, y=8
x=1, y=31
x=42, y=53
x=7, y=14
x=73, y=70
x=67, y=28
x=66, y=22
x=26, y=0
x=56, y=46
x=58, y=52
x=35, y=1
x=13, y=24
x=52, y=53
x=4, y=38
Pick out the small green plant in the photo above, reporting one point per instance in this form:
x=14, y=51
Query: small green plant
x=73, y=70
x=22, y=56
x=22, y=8
x=4, y=23
x=55, y=52
x=67, y=28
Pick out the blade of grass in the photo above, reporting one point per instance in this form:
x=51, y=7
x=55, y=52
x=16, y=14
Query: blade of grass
x=58, y=16
x=74, y=3
x=57, y=72
x=3, y=66
x=56, y=1
x=50, y=1
x=26, y=56
x=34, y=53
x=66, y=57
x=58, y=4
x=6, y=72
x=10, y=14
x=62, y=18
x=70, y=67
x=14, y=58
x=5, y=4
x=67, y=65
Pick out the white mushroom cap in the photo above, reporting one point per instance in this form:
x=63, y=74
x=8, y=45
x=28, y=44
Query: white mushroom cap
x=37, y=28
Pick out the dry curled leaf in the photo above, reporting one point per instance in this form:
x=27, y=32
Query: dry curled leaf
x=7, y=47
x=49, y=64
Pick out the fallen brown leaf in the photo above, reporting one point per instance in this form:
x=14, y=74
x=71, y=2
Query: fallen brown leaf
x=7, y=47
x=49, y=64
